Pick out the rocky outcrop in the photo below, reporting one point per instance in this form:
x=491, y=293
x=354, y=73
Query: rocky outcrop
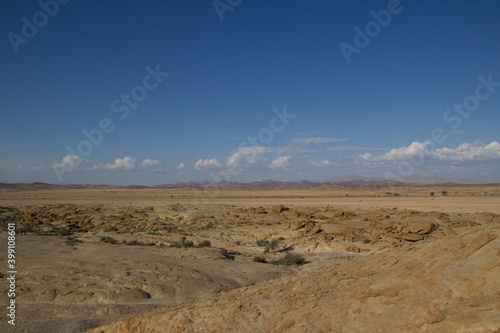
x=450, y=285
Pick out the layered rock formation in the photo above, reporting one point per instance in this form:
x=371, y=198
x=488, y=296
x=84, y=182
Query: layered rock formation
x=446, y=285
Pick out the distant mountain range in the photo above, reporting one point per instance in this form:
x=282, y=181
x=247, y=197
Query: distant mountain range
x=343, y=181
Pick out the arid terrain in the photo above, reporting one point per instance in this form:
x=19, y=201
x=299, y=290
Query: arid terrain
x=322, y=259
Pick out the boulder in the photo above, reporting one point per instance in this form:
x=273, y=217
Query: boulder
x=132, y=294
x=413, y=237
x=421, y=228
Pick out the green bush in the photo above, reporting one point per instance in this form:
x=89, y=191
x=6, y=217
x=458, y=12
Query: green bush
x=259, y=259
x=205, y=243
x=183, y=243
x=291, y=259
x=262, y=242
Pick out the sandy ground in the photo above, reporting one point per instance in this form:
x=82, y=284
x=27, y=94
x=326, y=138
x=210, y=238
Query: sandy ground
x=71, y=278
x=466, y=199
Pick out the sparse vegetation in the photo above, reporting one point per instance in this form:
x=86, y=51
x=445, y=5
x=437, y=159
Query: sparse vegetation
x=262, y=242
x=205, y=243
x=186, y=243
x=359, y=231
x=259, y=259
x=389, y=230
x=54, y=232
x=110, y=240
x=272, y=245
x=290, y=259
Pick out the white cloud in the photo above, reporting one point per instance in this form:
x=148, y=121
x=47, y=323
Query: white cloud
x=324, y=163
x=364, y=157
x=465, y=152
x=126, y=163
x=36, y=168
x=70, y=161
x=180, y=166
x=151, y=164
x=207, y=163
x=354, y=148
x=317, y=140
x=246, y=155
x=280, y=163
x=469, y=151
x=400, y=153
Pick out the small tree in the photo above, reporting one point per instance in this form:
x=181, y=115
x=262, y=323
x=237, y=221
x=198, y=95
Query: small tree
x=432, y=194
x=445, y=193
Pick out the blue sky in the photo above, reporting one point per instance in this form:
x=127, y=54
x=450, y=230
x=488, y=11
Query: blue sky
x=202, y=78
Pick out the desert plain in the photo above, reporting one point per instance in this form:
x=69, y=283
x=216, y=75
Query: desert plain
x=323, y=259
